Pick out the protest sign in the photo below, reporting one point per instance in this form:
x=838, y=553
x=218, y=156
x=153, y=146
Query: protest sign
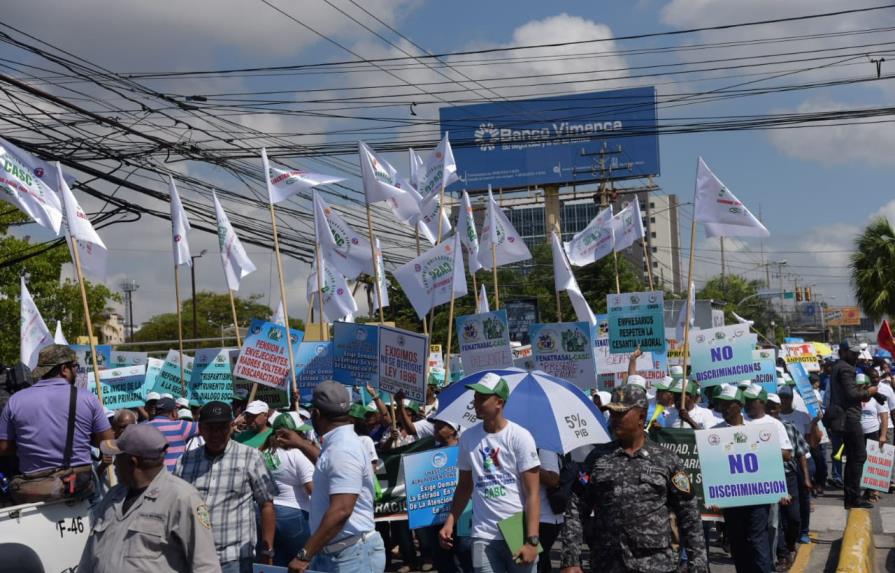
x=167, y=381
x=612, y=369
x=153, y=368
x=741, y=465
x=390, y=505
x=122, y=387
x=85, y=362
x=877, y=472
x=212, y=378
x=356, y=354
x=683, y=443
x=484, y=341
x=402, y=362
x=800, y=353
x=803, y=385
x=565, y=350
x=674, y=348
x=313, y=365
x=766, y=376
x=119, y=359
x=636, y=319
x=264, y=357
x=436, y=356
x=723, y=355
x=430, y=479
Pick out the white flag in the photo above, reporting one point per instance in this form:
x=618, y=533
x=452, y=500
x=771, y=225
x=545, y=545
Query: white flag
x=284, y=183
x=742, y=320
x=627, y=226
x=593, y=242
x=498, y=231
x=427, y=223
x=279, y=317
x=91, y=249
x=383, y=282
x=686, y=312
x=59, y=337
x=34, y=333
x=337, y=299
x=233, y=256
x=439, y=170
x=180, y=227
x=467, y=232
x=340, y=245
x=416, y=167
x=483, y=305
x=23, y=184
x=381, y=180
x=720, y=211
x=429, y=279
x=564, y=280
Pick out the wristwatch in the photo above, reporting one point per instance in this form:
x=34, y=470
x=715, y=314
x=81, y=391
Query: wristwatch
x=532, y=540
x=303, y=555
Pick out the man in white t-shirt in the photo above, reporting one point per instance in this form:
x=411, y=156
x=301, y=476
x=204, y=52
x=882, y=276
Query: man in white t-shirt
x=756, y=397
x=550, y=521
x=498, y=464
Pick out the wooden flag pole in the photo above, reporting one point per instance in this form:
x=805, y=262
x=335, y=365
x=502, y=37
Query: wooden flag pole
x=276, y=246
x=618, y=288
x=494, y=274
x=687, y=317
x=235, y=320
x=649, y=263
x=440, y=212
x=110, y=471
x=450, y=336
x=324, y=331
x=475, y=290
x=179, y=327
x=558, y=306
x=375, y=264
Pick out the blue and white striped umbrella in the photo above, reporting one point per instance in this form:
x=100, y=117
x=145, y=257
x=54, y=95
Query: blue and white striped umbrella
x=558, y=414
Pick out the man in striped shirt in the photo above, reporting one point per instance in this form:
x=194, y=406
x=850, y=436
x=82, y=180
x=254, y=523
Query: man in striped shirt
x=177, y=432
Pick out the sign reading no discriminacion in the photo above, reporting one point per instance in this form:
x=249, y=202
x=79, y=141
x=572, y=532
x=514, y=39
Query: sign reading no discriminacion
x=264, y=357
x=402, y=362
x=723, y=355
x=484, y=341
x=741, y=465
x=636, y=319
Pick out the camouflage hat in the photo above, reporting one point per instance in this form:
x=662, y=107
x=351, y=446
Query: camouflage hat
x=50, y=357
x=626, y=397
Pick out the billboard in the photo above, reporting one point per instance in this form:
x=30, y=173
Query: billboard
x=843, y=316
x=553, y=140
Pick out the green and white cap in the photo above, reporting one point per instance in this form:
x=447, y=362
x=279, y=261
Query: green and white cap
x=729, y=393
x=755, y=392
x=677, y=372
x=664, y=384
x=491, y=383
x=862, y=379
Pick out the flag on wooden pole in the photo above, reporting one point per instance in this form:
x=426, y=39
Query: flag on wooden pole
x=439, y=170
x=78, y=225
x=284, y=183
x=432, y=278
x=468, y=235
x=237, y=264
x=720, y=212
x=593, y=242
x=33, y=331
x=337, y=299
x=564, y=280
x=59, y=337
x=499, y=233
x=483, y=305
x=22, y=184
x=180, y=226
x=383, y=282
x=342, y=247
x=627, y=226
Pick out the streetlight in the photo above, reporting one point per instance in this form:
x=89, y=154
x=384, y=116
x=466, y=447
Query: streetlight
x=193, y=276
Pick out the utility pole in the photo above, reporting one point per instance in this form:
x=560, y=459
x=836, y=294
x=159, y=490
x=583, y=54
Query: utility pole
x=129, y=286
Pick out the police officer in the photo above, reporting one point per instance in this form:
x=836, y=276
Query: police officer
x=633, y=486
x=152, y=521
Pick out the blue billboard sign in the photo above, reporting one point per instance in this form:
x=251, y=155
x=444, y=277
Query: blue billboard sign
x=553, y=140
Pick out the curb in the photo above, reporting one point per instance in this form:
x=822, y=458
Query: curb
x=856, y=554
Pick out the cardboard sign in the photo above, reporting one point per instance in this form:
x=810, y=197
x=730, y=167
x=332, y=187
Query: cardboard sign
x=436, y=356
x=877, y=472
x=565, y=350
x=122, y=387
x=430, y=478
x=636, y=319
x=803, y=353
x=402, y=362
x=264, y=357
x=356, y=354
x=212, y=378
x=85, y=360
x=484, y=341
x=723, y=355
x=167, y=381
x=741, y=465
x=803, y=385
x=119, y=359
x=766, y=377
x=313, y=365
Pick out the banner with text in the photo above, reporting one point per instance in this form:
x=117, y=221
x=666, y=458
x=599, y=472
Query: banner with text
x=805, y=389
x=122, y=387
x=402, y=362
x=431, y=479
x=484, y=341
x=167, y=381
x=356, y=354
x=766, y=377
x=313, y=364
x=683, y=443
x=85, y=361
x=264, y=357
x=877, y=472
x=723, y=355
x=801, y=353
x=121, y=359
x=565, y=350
x=212, y=378
x=636, y=319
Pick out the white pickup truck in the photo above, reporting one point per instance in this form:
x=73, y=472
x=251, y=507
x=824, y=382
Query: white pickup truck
x=44, y=537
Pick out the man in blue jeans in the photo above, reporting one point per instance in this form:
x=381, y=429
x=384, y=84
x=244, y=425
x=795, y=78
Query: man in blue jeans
x=343, y=534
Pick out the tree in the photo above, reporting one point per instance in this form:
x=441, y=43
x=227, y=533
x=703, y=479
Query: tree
x=739, y=296
x=56, y=300
x=871, y=269
x=213, y=314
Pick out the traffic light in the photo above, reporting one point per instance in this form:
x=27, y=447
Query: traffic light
x=798, y=294
x=807, y=294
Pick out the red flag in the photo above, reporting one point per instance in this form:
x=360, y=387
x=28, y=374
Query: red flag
x=884, y=337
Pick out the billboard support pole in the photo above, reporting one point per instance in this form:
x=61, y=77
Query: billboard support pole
x=649, y=263
x=494, y=273
x=689, y=310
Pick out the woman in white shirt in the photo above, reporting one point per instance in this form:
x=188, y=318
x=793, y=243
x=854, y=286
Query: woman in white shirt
x=293, y=473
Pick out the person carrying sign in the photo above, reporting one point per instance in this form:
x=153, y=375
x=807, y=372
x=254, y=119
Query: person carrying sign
x=694, y=416
x=634, y=485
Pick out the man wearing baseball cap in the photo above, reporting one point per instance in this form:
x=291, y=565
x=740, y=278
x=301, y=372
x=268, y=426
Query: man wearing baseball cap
x=151, y=521
x=634, y=486
x=343, y=533
x=36, y=425
x=257, y=430
x=498, y=463
x=694, y=416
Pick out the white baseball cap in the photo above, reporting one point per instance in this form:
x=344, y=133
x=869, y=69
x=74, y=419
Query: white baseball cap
x=185, y=414
x=257, y=407
x=168, y=395
x=153, y=396
x=182, y=402
x=774, y=398
x=677, y=372
x=637, y=380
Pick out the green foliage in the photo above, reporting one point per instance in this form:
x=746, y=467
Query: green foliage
x=212, y=311
x=871, y=269
x=55, y=300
